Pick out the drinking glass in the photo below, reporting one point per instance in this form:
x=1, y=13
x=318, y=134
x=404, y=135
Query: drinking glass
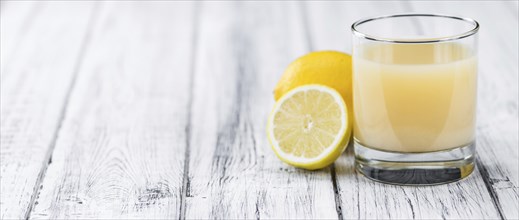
x=414, y=97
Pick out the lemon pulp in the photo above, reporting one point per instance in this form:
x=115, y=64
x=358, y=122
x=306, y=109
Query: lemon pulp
x=308, y=127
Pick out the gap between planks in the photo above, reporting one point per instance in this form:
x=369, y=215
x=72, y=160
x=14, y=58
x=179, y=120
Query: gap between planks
x=62, y=115
x=184, y=191
x=488, y=184
x=337, y=196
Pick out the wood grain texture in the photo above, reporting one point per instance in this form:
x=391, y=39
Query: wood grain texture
x=120, y=151
x=39, y=55
x=243, y=48
x=445, y=201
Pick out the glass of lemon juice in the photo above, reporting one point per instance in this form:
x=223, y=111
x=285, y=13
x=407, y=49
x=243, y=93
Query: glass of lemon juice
x=414, y=97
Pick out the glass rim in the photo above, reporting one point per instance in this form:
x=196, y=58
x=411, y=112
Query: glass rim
x=469, y=33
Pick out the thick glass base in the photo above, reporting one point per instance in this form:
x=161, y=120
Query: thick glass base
x=428, y=168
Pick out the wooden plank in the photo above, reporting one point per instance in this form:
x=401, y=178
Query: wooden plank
x=120, y=152
x=362, y=198
x=233, y=174
x=39, y=55
x=16, y=20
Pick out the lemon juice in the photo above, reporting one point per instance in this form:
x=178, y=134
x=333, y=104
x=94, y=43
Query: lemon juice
x=414, y=97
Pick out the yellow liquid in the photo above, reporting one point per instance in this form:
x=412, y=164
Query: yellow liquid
x=414, y=98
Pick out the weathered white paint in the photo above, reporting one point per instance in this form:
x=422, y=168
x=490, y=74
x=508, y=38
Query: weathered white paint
x=120, y=151
x=166, y=118
x=15, y=22
x=39, y=54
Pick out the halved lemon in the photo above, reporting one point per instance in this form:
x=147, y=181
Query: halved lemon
x=309, y=127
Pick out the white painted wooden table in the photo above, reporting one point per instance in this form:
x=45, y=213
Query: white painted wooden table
x=158, y=110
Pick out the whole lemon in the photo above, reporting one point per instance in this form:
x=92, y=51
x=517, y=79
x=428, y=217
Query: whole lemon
x=329, y=68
